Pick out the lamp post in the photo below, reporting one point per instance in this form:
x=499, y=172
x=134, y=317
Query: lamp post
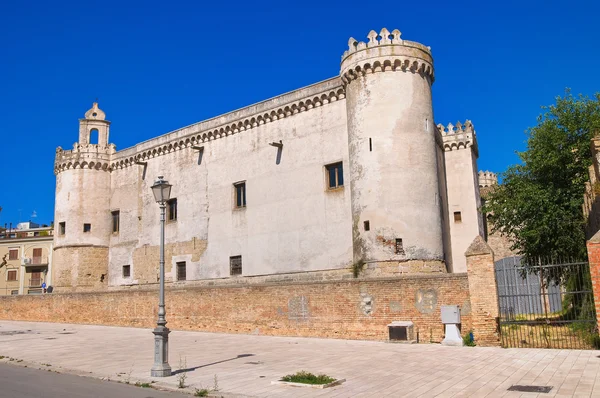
x=162, y=192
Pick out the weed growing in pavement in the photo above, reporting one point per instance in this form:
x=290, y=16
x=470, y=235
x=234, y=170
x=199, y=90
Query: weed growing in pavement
x=182, y=375
x=202, y=392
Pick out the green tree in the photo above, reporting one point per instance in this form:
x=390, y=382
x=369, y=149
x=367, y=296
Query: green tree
x=539, y=203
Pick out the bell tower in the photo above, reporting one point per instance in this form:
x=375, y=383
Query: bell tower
x=82, y=208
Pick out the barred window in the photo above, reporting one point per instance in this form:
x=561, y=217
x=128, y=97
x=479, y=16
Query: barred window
x=235, y=265
x=181, y=271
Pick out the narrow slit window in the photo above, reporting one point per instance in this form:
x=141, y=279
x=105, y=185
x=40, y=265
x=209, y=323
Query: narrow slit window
x=181, y=271
x=87, y=227
x=172, y=210
x=335, y=175
x=457, y=216
x=240, y=194
x=367, y=225
x=115, y=220
x=370, y=145
x=235, y=265
x=62, y=226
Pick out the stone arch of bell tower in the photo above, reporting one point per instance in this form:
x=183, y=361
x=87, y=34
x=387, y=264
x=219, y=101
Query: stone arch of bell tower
x=94, y=124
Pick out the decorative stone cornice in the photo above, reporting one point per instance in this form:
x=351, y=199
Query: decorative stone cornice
x=84, y=156
x=459, y=136
x=235, y=122
x=487, y=179
x=385, y=52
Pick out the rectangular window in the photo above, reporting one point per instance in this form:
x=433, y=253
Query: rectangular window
x=126, y=271
x=87, y=227
x=367, y=225
x=13, y=254
x=62, y=226
x=115, y=220
x=457, y=216
x=14, y=292
x=172, y=209
x=181, y=271
x=240, y=194
x=11, y=275
x=37, y=256
x=235, y=265
x=335, y=175
x=399, y=247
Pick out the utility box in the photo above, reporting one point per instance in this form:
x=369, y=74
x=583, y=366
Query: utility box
x=450, y=314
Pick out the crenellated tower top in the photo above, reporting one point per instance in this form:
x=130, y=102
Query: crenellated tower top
x=87, y=154
x=459, y=136
x=383, y=52
x=487, y=179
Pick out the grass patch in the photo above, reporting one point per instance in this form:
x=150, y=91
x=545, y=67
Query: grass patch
x=202, y=392
x=468, y=339
x=308, y=378
x=143, y=385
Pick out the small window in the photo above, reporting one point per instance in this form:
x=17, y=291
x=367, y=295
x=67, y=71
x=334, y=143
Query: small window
x=181, y=271
x=14, y=292
x=240, y=194
x=115, y=220
x=399, y=247
x=13, y=254
x=11, y=275
x=172, y=210
x=335, y=175
x=235, y=265
x=62, y=226
x=126, y=271
x=457, y=216
x=367, y=225
x=87, y=227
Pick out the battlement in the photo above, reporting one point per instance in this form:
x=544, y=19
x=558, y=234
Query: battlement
x=385, y=51
x=459, y=136
x=84, y=156
x=487, y=179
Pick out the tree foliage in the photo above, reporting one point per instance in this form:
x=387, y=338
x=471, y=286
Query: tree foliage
x=539, y=203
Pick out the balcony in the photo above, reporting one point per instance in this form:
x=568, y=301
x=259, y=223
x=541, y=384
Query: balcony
x=27, y=261
x=35, y=282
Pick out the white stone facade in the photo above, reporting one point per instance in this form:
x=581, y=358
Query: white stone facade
x=402, y=179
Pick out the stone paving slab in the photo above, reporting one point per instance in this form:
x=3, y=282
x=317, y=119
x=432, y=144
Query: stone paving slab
x=245, y=365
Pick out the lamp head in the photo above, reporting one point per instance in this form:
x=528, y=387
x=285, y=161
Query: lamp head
x=161, y=190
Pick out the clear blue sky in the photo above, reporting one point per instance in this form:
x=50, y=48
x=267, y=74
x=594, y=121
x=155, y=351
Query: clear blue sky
x=157, y=66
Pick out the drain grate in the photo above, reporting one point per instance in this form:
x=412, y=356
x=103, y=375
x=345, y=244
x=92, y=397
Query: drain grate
x=542, y=389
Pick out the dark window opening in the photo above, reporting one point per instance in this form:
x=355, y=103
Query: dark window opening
x=335, y=175
x=367, y=225
x=172, y=209
x=399, y=247
x=370, y=145
x=457, y=216
x=240, y=194
x=235, y=265
x=62, y=226
x=115, y=220
x=87, y=227
x=126, y=271
x=181, y=271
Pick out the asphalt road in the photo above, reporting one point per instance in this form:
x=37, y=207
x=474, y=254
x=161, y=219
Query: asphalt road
x=20, y=382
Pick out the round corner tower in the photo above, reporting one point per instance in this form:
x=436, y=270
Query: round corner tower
x=82, y=209
x=396, y=206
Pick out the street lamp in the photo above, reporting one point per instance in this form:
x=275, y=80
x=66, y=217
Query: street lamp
x=162, y=192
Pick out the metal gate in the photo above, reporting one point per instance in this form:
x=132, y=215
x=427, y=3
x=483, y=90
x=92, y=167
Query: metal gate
x=546, y=304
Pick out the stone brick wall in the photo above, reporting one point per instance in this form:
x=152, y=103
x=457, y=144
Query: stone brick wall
x=593, y=249
x=483, y=291
x=355, y=309
x=90, y=274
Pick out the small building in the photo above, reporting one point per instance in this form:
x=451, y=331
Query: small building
x=26, y=258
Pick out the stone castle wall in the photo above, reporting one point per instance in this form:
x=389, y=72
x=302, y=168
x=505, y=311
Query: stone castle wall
x=91, y=272
x=354, y=309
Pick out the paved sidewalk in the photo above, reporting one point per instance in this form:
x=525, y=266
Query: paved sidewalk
x=245, y=365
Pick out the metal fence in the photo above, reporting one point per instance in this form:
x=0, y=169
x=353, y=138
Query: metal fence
x=545, y=303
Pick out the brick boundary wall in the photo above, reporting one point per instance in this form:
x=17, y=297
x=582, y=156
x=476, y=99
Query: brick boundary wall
x=484, y=293
x=352, y=309
x=593, y=249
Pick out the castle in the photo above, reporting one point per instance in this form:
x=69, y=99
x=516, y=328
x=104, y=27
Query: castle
x=348, y=173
